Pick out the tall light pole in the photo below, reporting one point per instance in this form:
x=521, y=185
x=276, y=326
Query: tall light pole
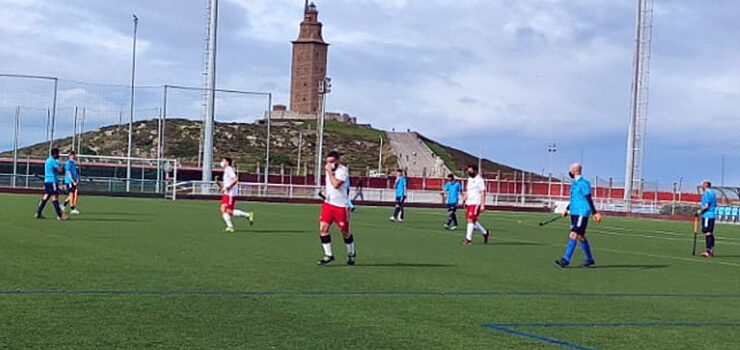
x=210, y=91
x=551, y=149
x=380, y=155
x=324, y=89
x=131, y=105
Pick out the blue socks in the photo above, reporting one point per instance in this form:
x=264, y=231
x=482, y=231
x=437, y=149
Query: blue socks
x=57, y=208
x=569, y=250
x=40, y=209
x=587, y=251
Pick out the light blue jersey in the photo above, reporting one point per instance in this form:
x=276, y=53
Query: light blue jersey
x=70, y=167
x=453, y=189
x=401, y=186
x=579, y=189
x=50, y=170
x=710, y=198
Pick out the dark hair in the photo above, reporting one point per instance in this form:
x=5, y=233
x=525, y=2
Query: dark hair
x=474, y=167
x=71, y=153
x=228, y=160
x=54, y=152
x=333, y=154
x=399, y=171
x=709, y=183
x=451, y=177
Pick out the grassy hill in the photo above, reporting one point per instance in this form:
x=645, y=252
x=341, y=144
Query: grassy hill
x=458, y=160
x=245, y=143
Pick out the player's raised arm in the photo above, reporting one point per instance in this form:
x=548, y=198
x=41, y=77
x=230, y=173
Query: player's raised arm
x=336, y=182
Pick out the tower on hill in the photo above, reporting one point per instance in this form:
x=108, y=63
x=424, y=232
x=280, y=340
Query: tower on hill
x=309, y=64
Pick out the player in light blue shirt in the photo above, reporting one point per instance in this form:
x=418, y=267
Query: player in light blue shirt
x=400, y=185
x=708, y=215
x=51, y=189
x=71, y=181
x=452, y=190
x=580, y=208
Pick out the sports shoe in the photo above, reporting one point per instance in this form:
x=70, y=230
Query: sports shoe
x=466, y=242
x=63, y=207
x=392, y=218
x=75, y=211
x=229, y=230
x=250, y=217
x=37, y=216
x=351, y=259
x=562, y=262
x=590, y=263
x=326, y=260
x=486, y=236
x=446, y=226
x=453, y=228
x=707, y=254
x=399, y=220
x=62, y=218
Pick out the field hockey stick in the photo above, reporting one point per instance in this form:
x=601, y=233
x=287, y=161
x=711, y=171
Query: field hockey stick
x=551, y=220
x=696, y=229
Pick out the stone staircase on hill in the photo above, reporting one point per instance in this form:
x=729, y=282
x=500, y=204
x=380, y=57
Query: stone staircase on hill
x=415, y=157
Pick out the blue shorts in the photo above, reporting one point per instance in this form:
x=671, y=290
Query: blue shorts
x=71, y=188
x=451, y=206
x=578, y=224
x=707, y=225
x=51, y=188
x=400, y=200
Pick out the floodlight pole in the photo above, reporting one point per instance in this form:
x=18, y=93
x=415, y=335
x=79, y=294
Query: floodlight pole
x=15, y=143
x=131, y=105
x=267, y=156
x=207, y=165
x=324, y=89
x=380, y=154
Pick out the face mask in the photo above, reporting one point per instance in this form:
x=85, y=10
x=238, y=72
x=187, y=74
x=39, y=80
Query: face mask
x=571, y=175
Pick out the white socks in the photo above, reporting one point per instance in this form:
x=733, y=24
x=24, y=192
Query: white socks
x=480, y=228
x=327, y=249
x=469, y=232
x=240, y=213
x=227, y=220
x=351, y=248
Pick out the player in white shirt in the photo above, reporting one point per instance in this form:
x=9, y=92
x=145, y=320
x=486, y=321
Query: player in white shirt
x=474, y=198
x=228, y=196
x=335, y=209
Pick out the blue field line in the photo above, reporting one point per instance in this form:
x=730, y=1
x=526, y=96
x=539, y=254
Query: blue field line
x=509, y=328
x=363, y=293
x=621, y=325
x=540, y=338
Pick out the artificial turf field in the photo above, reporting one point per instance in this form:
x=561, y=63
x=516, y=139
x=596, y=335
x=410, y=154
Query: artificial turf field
x=136, y=273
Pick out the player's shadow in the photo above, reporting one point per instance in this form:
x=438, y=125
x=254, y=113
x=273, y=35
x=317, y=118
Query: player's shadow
x=118, y=214
x=272, y=231
x=399, y=264
x=635, y=266
x=108, y=220
x=494, y=243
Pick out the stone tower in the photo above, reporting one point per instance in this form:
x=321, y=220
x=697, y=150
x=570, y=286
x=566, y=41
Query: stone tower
x=309, y=64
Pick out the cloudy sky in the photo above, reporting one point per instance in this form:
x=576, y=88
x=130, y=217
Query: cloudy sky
x=512, y=75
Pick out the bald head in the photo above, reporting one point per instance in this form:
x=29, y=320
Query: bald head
x=576, y=169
